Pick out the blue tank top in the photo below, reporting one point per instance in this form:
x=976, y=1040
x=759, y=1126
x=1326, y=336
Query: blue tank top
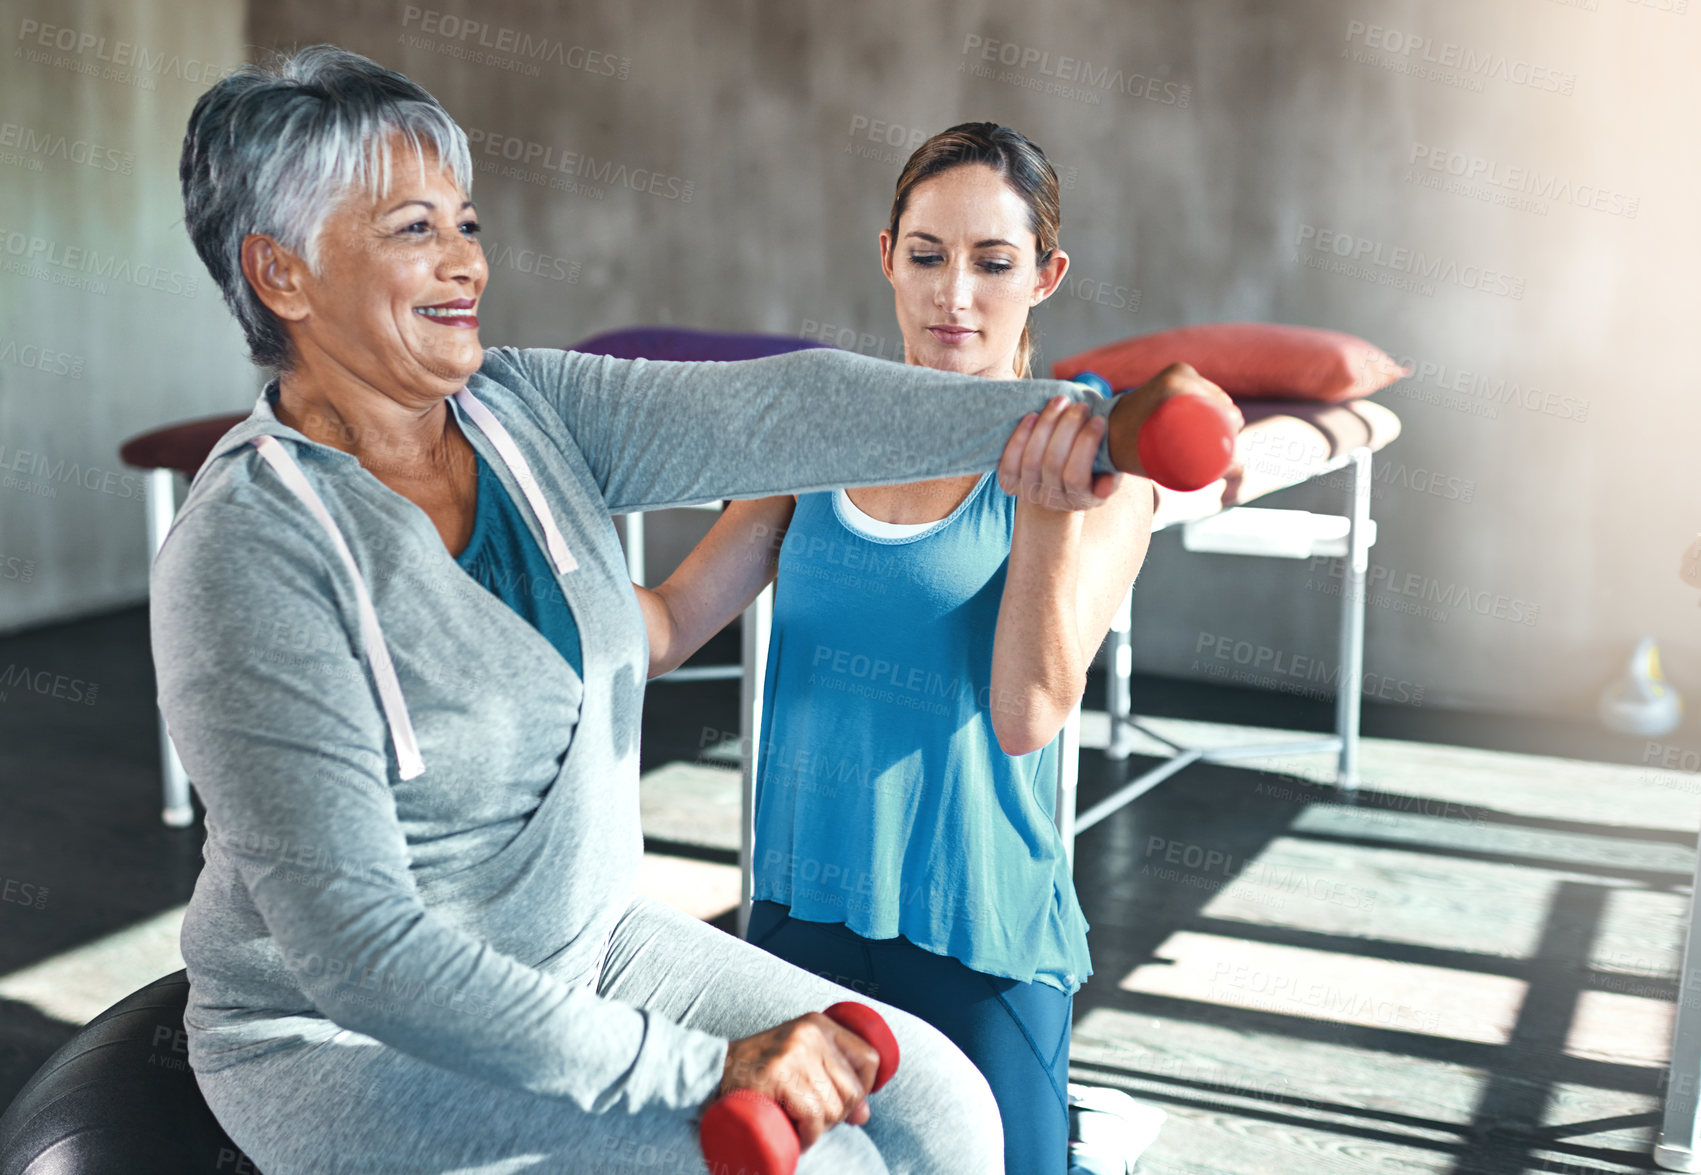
x=883, y=800
x=506, y=560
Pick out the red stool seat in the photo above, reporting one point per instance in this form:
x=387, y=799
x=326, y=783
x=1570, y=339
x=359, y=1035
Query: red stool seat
x=182, y=447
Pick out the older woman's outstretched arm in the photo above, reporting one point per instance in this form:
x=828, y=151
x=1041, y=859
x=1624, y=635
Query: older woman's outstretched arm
x=662, y=433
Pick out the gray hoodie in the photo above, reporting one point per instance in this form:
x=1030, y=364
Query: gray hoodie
x=461, y=914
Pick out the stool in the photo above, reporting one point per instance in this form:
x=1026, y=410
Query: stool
x=176, y=448
x=120, y=1099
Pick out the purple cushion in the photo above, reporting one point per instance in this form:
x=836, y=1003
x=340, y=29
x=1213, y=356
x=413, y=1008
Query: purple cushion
x=684, y=343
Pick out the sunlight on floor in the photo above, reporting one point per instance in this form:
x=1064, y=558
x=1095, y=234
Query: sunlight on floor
x=1327, y=985
x=702, y=889
x=1213, y=1070
x=77, y=985
x=1622, y=1028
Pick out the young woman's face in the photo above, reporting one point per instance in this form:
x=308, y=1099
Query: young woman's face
x=964, y=272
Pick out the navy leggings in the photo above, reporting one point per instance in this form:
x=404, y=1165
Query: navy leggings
x=1017, y=1034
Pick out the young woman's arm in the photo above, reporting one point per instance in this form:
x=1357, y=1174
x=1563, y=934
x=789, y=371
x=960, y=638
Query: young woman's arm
x=1068, y=571
x=717, y=580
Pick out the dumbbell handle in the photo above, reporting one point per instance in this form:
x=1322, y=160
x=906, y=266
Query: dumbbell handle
x=1185, y=444
x=746, y=1133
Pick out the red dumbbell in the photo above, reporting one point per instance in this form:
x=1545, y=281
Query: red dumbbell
x=746, y=1133
x=1185, y=444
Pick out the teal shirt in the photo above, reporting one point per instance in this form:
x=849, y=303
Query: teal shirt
x=883, y=800
x=504, y=558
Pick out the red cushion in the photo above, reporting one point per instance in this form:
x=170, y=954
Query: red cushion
x=1248, y=359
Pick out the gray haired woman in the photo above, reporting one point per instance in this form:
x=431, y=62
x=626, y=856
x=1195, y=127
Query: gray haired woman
x=400, y=658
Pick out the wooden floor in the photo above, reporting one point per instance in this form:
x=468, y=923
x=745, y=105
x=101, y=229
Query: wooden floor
x=1470, y=969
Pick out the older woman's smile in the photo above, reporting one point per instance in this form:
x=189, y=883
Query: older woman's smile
x=456, y=313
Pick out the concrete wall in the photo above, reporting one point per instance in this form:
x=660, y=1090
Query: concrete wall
x=727, y=165
x=109, y=325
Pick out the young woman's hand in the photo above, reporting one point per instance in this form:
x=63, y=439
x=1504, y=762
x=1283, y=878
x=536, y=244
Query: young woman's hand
x=818, y=1072
x=1048, y=460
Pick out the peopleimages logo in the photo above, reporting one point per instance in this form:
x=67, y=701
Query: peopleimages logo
x=1264, y=666
x=43, y=359
x=500, y=255
x=1430, y=162
x=1418, y=585
x=846, y=338
x=886, y=143
x=1484, y=394
x=1069, y=72
x=116, y=54
x=878, y=130
x=57, y=146
x=29, y=464
x=1390, y=475
x=23, y=893
x=526, y=153
x=1449, y=60
x=465, y=39
x=47, y=684
x=35, y=251
x=1388, y=264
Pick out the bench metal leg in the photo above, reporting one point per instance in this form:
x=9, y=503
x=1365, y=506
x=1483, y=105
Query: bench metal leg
x=178, y=811
x=1119, y=676
x=160, y=497
x=1350, y=693
x=1068, y=777
x=1679, y=1145
x=635, y=569
x=757, y=620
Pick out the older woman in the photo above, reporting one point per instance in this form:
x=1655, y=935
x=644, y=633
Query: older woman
x=401, y=661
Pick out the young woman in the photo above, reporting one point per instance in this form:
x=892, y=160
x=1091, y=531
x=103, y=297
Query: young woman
x=929, y=641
